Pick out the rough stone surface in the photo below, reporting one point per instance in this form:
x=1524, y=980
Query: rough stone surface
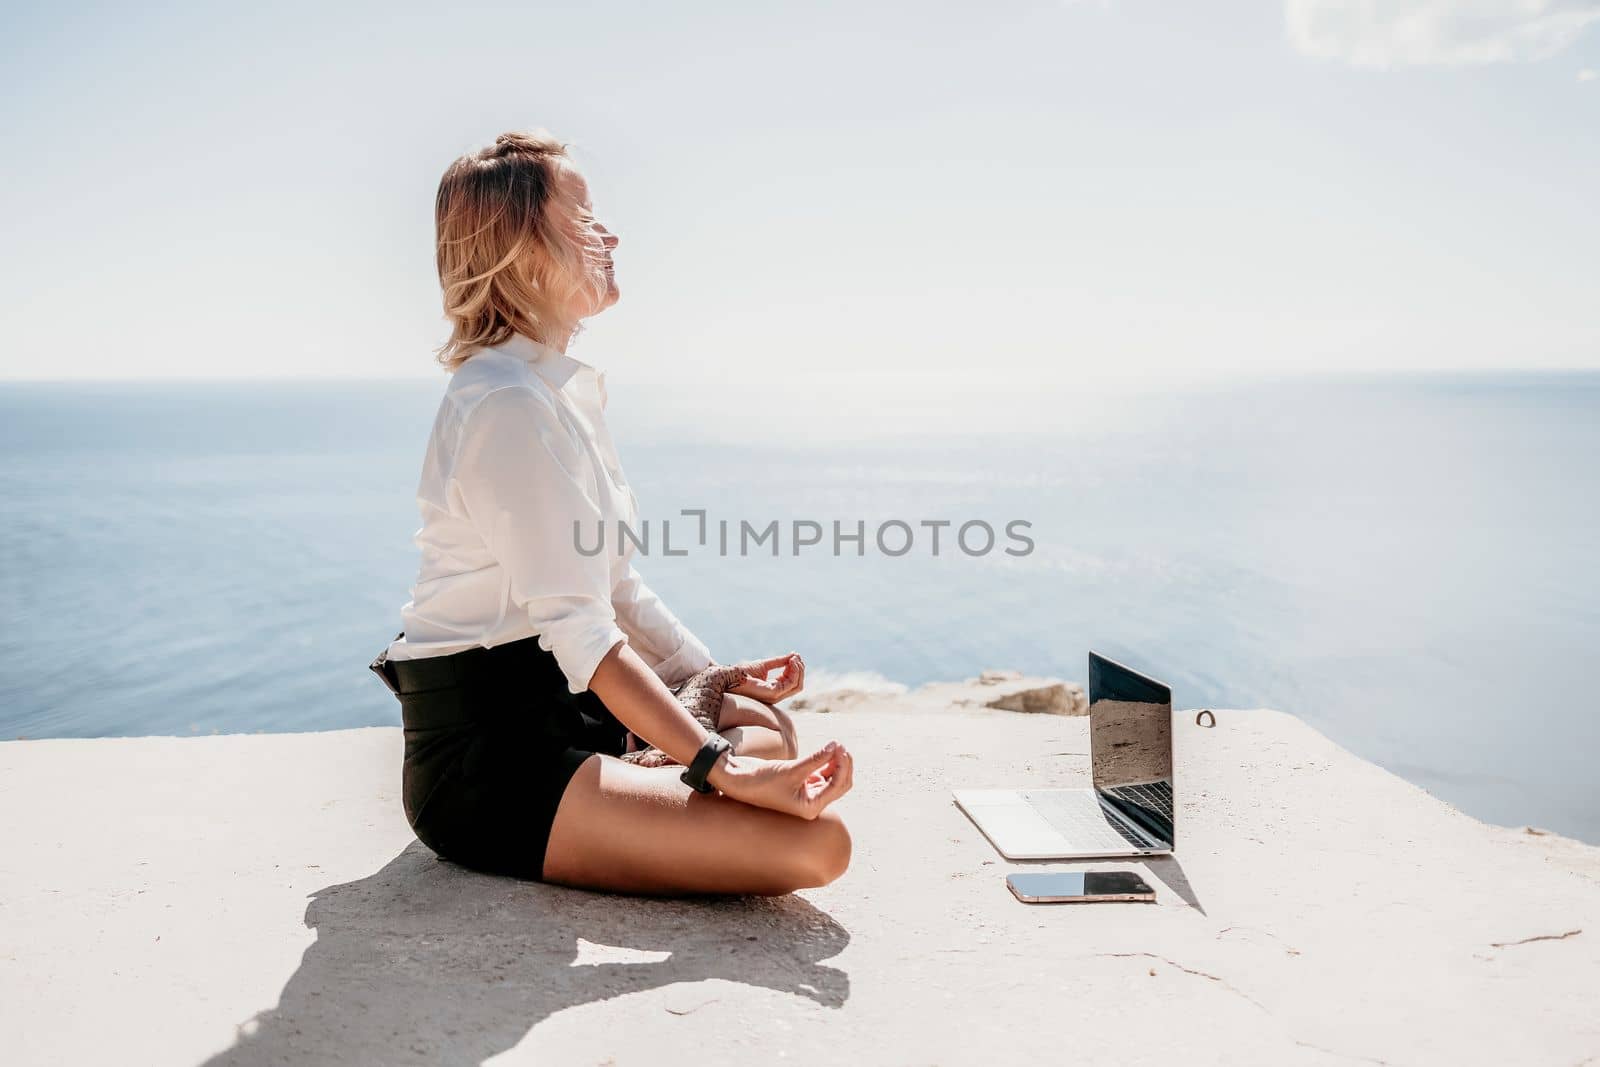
x=1051, y=698
x=1000, y=689
x=255, y=899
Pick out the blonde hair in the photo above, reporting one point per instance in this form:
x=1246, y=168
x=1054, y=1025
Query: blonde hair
x=511, y=251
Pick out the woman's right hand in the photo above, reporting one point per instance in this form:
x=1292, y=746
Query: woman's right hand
x=802, y=787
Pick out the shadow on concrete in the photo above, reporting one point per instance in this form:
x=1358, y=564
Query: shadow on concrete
x=1170, y=872
x=429, y=962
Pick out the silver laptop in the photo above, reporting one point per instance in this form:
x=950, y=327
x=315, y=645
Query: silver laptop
x=1128, y=812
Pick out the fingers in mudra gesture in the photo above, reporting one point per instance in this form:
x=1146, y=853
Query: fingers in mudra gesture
x=790, y=681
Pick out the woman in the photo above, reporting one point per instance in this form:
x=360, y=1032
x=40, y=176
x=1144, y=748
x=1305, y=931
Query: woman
x=526, y=667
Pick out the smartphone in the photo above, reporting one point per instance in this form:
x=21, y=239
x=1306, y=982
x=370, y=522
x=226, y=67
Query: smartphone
x=1051, y=887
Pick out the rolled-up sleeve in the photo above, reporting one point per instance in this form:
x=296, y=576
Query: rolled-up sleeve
x=665, y=643
x=520, y=478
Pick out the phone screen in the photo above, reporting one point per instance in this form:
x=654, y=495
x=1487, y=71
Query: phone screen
x=1079, y=885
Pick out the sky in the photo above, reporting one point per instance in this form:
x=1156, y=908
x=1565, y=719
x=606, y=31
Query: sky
x=1012, y=193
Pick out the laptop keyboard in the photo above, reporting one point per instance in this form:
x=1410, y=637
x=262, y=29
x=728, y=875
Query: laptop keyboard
x=1079, y=818
x=1157, y=796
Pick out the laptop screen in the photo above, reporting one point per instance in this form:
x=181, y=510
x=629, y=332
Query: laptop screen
x=1130, y=744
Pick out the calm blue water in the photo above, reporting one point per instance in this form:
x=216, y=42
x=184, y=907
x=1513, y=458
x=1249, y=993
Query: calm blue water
x=1405, y=563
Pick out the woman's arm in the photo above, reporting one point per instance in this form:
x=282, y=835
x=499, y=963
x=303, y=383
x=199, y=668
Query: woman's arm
x=665, y=644
x=642, y=702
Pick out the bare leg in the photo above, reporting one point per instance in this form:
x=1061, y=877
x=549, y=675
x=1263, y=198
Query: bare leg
x=760, y=741
x=746, y=711
x=632, y=829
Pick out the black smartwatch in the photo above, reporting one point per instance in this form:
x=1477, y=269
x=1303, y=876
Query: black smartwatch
x=695, y=774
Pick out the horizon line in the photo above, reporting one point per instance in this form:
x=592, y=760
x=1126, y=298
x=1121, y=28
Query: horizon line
x=936, y=379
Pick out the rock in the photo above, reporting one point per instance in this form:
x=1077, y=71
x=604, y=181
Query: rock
x=1039, y=697
x=1005, y=690
x=833, y=700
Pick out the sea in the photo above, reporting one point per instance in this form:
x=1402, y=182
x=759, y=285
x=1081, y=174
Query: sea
x=1405, y=562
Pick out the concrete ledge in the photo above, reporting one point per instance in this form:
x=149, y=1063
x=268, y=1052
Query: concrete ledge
x=255, y=899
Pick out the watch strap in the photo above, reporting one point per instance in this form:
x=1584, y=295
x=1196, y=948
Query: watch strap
x=694, y=775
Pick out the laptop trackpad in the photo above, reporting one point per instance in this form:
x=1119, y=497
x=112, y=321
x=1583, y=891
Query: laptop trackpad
x=1014, y=826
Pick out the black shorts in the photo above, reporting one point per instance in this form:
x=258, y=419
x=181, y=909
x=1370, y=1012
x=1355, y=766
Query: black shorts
x=492, y=737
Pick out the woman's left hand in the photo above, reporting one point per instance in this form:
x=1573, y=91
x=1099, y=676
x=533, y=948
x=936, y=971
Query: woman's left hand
x=787, y=684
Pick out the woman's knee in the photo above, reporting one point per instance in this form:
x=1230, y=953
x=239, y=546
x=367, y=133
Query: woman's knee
x=827, y=851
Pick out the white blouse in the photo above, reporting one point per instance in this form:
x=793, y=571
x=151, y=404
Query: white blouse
x=519, y=452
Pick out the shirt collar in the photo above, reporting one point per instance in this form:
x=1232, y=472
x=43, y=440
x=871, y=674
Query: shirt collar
x=554, y=366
